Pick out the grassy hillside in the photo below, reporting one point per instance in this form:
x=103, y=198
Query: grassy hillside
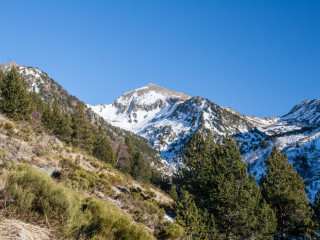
x=62, y=188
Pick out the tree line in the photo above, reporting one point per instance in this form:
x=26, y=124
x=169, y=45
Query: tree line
x=216, y=199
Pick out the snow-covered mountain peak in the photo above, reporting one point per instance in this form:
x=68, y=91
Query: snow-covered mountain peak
x=134, y=109
x=306, y=113
x=150, y=94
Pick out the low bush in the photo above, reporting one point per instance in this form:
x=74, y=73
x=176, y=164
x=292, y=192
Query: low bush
x=33, y=196
x=171, y=231
x=84, y=179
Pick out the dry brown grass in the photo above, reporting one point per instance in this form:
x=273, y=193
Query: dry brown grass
x=17, y=230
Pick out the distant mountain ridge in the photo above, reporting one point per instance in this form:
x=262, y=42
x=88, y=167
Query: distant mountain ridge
x=168, y=119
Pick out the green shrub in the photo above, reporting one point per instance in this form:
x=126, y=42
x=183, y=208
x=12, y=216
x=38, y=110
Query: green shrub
x=35, y=197
x=171, y=231
x=106, y=222
x=34, y=193
x=10, y=128
x=151, y=205
x=86, y=180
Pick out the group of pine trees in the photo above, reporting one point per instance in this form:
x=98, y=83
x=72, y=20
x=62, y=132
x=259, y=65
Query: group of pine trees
x=218, y=200
x=72, y=127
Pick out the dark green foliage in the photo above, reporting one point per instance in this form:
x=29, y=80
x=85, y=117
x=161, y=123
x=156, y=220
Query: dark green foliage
x=1, y=76
x=285, y=191
x=128, y=142
x=316, y=209
x=173, y=193
x=102, y=148
x=171, y=231
x=188, y=215
x=65, y=132
x=15, y=99
x=197, y=159
x=55, y=121
x=37, y=102
x=47, y=116
x=140, y=169
x=217, y=178
x=82, y=130
x=61, y=123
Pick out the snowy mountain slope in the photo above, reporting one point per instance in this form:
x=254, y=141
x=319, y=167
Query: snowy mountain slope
x=168, y=124
x=133, y=110
x=167, y=118
x=41, y=83
x=297, y=134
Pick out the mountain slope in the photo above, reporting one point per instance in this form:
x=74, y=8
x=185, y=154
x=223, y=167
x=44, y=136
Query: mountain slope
x=167, y=118
x=49, y=90
x=169, y=121
x=297, y=134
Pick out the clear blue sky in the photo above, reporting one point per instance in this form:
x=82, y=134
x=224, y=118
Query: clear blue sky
x=258, y=57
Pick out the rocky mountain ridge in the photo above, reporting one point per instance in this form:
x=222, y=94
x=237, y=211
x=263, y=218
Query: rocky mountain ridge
x=168, y=125
x=167, y=118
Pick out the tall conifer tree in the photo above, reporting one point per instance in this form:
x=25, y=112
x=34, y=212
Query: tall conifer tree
x=1, y=76
x=140, y=169
x=316, y=209
x=218, y=179
x=15, y=99
x=82, y=135
x=188, y=215
x=284, y=190
x=102, y=148
x=47, y=117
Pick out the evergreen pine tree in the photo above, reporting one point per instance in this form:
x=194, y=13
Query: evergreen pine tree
x=173, y=192
x=140, y=168
x=47, y=117
x=198, y=167
x=219, y=181
x=188, y=215
x=285, y=191
x=316, y=209
x=15, y=99
x=82, y=135
x=66, y=131
x=61, y=124
x=128, y=142
x=1, y=76
x=57, y=117
x=36, y=101
x=102, y=148
x=125, y=162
